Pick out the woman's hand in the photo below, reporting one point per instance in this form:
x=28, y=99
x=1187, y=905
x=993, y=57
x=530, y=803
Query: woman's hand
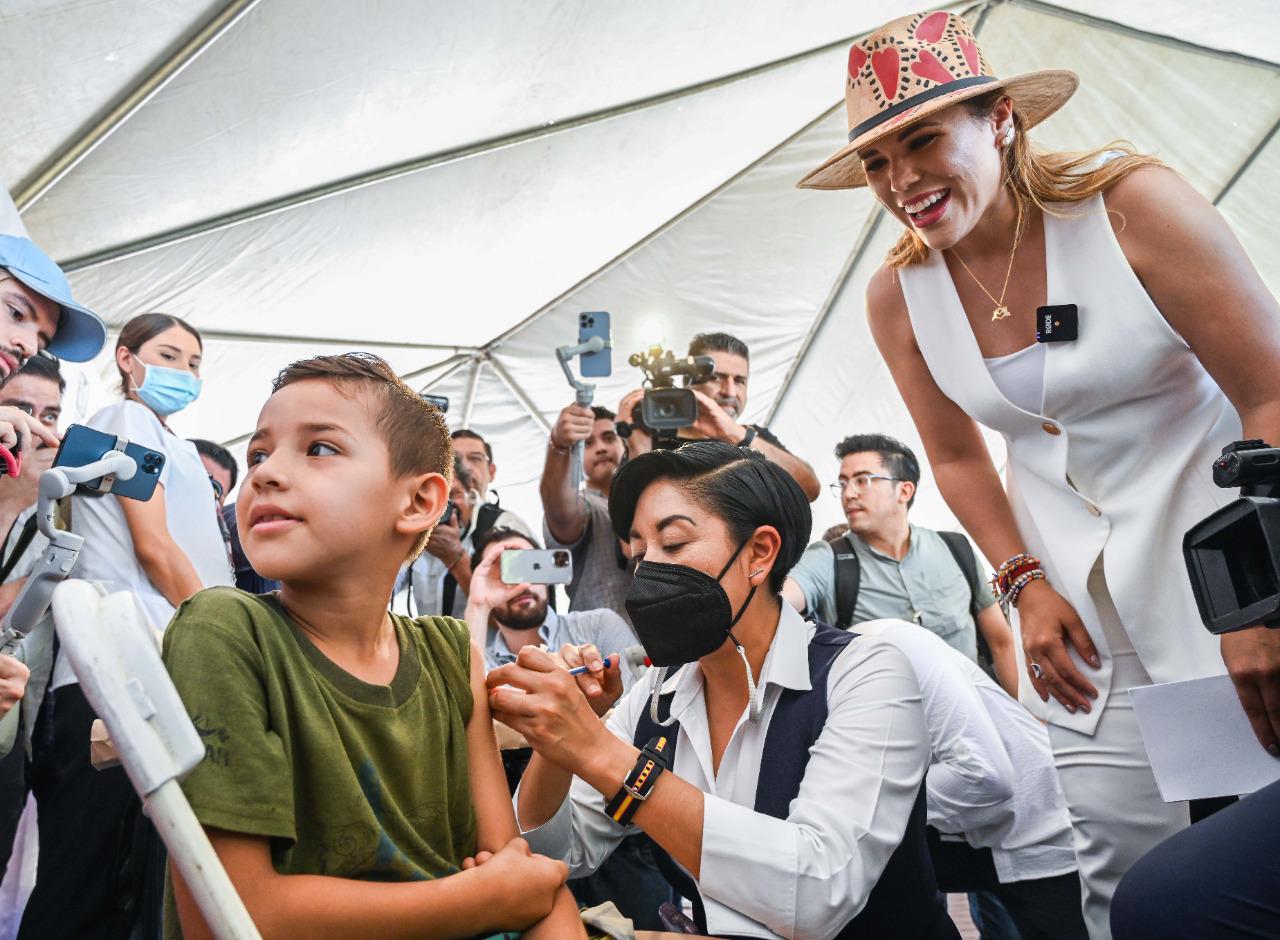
x=522, y=886
x=601, y=686
x=17, y=428
x=538, y=698
x=1050, y=627
x=1253, y=660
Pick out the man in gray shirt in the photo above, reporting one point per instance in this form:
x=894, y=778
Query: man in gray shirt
x=905, y=572
x=579, y=519
x=505, y=618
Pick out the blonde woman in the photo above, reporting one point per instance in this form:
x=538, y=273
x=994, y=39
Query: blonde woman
x=1157, y=341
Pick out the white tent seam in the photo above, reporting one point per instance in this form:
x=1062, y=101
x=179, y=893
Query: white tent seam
x=129, y=104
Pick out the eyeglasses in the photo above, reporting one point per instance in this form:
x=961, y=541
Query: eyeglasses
x=859, y=483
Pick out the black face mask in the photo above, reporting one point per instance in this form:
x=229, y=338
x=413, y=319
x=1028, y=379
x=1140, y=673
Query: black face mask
x=680, y=613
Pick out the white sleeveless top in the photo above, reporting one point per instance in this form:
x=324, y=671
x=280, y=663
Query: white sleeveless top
x=1020, y=376
x=1117, y=453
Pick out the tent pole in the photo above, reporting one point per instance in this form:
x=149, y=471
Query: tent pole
x=824, y=312
x=501, y=371
x=657, y=232
x=456, y=363
x=472, y=384
x=142, y=92
x=397, y=170
x=1248, y=162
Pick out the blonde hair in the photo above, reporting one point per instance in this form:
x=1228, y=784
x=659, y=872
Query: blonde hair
x=1039, y=177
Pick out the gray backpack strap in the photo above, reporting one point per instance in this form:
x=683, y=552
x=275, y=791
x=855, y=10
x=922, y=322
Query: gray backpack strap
x=848, y=572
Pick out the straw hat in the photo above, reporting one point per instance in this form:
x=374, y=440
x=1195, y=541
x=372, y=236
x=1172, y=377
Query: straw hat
x=916, y=66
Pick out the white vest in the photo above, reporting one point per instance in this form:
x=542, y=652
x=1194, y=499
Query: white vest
x=1119, y=460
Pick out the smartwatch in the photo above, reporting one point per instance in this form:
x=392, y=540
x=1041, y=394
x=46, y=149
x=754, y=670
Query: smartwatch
x=748, y=437
x=639, y=783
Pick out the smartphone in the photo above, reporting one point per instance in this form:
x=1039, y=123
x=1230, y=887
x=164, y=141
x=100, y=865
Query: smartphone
x=450, y=510
x=441, y=402
x=598, y=364
x=82, y=445
x=536, y=566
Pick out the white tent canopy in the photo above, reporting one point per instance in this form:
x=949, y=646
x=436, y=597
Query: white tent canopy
x=449, y=184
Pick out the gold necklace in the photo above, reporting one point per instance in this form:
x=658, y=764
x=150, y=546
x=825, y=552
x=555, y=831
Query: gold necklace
x=1001, y=312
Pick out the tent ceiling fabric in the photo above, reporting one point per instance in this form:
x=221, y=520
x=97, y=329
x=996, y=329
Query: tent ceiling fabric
x=676, y=215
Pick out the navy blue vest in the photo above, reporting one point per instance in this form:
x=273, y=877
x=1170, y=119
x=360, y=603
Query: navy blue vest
x=905, y=903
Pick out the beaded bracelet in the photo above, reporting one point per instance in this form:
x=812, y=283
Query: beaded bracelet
x=1011, y=569
x=1015, y=589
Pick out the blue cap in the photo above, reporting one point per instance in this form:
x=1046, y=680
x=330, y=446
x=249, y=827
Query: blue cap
x=81, y=334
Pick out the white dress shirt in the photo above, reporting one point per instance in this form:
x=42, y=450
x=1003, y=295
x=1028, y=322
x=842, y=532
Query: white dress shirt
x=991, y=776
x=808, y=875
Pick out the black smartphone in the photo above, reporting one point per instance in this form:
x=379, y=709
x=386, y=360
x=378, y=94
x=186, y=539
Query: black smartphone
x=82, y=445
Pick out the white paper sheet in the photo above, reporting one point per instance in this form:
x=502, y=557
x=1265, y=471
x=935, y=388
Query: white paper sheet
x=1199, y=741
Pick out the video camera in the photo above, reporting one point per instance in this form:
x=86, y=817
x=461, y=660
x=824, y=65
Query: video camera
x=1233, y=555
x=665, y=409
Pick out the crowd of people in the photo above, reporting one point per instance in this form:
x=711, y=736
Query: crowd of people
x=733, y=730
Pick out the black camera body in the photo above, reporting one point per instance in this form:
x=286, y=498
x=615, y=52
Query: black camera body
x=665, y=409
x=1233, y=555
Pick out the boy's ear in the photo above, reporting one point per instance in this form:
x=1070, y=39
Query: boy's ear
x=428, y=494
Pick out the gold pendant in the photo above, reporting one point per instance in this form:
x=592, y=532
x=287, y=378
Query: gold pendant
x=1000, y=313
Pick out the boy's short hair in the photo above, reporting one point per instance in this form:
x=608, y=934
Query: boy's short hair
x=416, y=436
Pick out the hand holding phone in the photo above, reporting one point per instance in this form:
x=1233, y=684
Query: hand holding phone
x=536, y=566
x=82, y=446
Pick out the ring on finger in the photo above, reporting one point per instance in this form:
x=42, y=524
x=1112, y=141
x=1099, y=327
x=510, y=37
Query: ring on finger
x=1037, y=670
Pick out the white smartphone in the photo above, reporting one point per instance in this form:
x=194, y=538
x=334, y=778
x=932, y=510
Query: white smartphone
x=536, y=566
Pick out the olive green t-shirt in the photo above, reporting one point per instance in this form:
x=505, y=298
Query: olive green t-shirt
x=347, y=779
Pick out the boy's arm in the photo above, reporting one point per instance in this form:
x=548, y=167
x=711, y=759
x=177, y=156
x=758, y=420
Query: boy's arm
x=508, y=892
x=495, y=817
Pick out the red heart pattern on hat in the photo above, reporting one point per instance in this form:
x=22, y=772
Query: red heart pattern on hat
x=857, y=59
x=932, y=27
x=928, y=67
x=969, y=49
x=884, y=62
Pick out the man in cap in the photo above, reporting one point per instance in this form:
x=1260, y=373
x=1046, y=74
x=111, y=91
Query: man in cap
x=36, y=313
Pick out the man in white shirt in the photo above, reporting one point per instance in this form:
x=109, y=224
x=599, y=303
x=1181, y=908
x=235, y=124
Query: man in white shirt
x=991, y=781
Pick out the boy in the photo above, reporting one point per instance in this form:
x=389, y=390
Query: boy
x=351, y=783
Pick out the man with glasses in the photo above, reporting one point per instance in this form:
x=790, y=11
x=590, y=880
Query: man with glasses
x=35, y=390
x=884, y=567
x=722, y=400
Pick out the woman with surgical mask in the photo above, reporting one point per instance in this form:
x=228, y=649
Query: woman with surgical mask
x=776, y=764
x=163, y=551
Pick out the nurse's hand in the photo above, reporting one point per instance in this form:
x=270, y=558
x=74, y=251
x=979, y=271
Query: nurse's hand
x=1253, y=660
x=538, y=698
x=602, y=686
x=1050, y=626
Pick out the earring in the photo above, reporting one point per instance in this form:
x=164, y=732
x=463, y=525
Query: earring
x=1008, y=136
x=756, y=572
